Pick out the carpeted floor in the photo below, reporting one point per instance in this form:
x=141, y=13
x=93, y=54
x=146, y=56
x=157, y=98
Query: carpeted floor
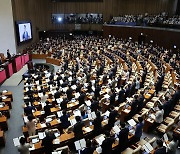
x=16, y=78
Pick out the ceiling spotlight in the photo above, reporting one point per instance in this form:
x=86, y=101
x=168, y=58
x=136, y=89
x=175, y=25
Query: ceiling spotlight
x=70, y=34
x=141, y=33
x=44, y=31
x=151, y=41
x=109, y=35
x=174, y=46
x=59, y=19
x=130, y=38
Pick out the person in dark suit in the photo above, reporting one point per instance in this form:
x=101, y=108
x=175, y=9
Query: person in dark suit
x=134, y=106
x=64, y=120
x=167, y=107
x=64, y=104
x=123, y=138
x=160, y=149
x=97, y=90
x=47, y=109
x=8, y=54
x=57, y=94
x=81, y=98
x=97, y=123
x=89, y=148
x=112, y=117
x=112, y=98
x=140, y=101
x=94, y=105
x=47, y=142
x=78, y=133
x=121, y=97
x=107, y=144
x=28, y=109
x=69, y=93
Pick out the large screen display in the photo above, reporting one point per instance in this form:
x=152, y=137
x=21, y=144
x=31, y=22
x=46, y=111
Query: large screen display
x=24, y=31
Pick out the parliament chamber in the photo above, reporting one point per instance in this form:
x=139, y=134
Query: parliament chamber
x=90, y=77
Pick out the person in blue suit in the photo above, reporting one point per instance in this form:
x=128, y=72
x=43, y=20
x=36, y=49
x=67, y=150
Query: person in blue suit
x=25, y=34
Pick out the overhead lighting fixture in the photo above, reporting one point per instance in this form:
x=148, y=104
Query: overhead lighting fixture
x=151, y=41
x=141, y=33
x=175, y=47
x=70, y=34
x=59, y=19
x=130, y=38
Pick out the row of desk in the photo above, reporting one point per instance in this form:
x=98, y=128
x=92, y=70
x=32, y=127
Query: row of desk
x=12, y=66
x=5, y=114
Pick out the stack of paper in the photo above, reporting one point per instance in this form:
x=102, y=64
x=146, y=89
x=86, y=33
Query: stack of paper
x=131, y=122
x=92, y=116
x=100, y=139
x=56, y=141
x=35, y=140
x=87, y=129
x=32, y=148
x=16, y=142
x=80, y=144
x=59, y=113
x=107, y=113
x=59, y=100
x=116, y=129
x=43, y=125
x=77, y=112
x=73, y=122
x=148, y=148
x=41, y=135
x=88, y=103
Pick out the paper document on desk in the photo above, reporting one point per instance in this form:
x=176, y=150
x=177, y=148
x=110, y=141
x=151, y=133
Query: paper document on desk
x=59, y=100
x=59, y=113
x=116, y=129
x=32, y=148
x=57, y=134
x=73, y=87
x=48, y=120
x=77, y=112
x=56, y=141
x=25, y=119
x=77, y=95
x=149, y=146
x=80, y=144
x=16, y=142
x=107, y=113
x=4, y=97
x=106, y=96
x=43, y=125
x=88, y=103
x=100, y=139
x=41, y=135
x=88, y=129
x=73, y=122
x=165, y=137
x=40, y=94
x=4, y=91
x=35, y=140
x=131, y=122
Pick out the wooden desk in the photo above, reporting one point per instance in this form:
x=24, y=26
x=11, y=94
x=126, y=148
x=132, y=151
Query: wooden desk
x=124, y=114
x=2, y=138
x=5, y=111
x=147, y=124
x=8, y=94
x=3, y=123
x=177, y=131
x=53, y=61
x=39, y=56
x=8, y=102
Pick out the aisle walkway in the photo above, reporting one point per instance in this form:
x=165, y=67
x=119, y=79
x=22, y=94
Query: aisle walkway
x=15, y=122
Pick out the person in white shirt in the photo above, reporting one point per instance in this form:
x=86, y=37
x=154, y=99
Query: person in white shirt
x=31, y=125
x=172, y=146
x=158, y=119
x=137, y=84
x=24, y=147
